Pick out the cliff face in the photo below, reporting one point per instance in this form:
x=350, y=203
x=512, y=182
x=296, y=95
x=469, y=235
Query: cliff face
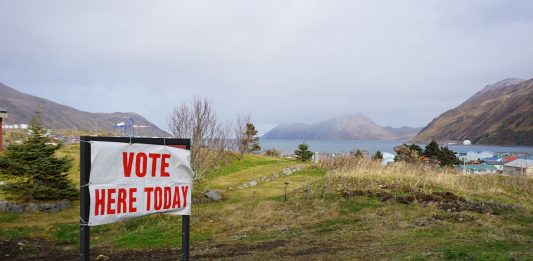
x=347, y=127
x=500, y=114
x=21, y=107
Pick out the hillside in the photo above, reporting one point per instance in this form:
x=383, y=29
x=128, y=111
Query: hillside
x=500, y=114
x=21, y=106
x=347, y=127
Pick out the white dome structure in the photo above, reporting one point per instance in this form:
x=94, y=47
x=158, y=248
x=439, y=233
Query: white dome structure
x=467, y=142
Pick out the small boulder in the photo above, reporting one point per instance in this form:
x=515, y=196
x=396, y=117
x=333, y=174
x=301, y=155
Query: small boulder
x=32, y=207
x=63, y=204
x=48, y=207
x=16, y=208
x=3, y=206
x=288, y=171
x=213, y=195
x=253, y=183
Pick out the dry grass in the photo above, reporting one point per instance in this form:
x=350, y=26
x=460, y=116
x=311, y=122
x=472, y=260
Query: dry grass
x=348, y=173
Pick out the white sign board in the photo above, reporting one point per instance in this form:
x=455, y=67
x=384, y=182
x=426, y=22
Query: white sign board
x=132, y=180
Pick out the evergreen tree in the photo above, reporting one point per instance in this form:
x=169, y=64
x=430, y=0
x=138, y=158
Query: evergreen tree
x=303, y=153
x=447, y=157
x=432, y=150
x=31, y=171
x=252, y=139
x=378, y=156
x=360, y=154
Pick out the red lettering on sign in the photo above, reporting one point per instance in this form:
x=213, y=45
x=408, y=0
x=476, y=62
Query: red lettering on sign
x=110, y=201
x=164, y=165
x=140, y=168
x=154, y=157
x=99, y=203
x=158, y=197
x=141, y=164
x=121, y=201
x=184, y=190
x=132, y=200
x=127, y=162
x=148, y=192
x=176, y=203
x=167, y=192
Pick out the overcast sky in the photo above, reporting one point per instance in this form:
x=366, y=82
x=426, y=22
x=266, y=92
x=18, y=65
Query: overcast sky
x=401, y=63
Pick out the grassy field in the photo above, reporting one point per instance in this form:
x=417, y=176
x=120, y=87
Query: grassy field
x=359, y=211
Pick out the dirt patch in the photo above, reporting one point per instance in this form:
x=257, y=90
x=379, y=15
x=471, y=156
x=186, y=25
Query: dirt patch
x=446, y=201
x=36, y=249
x=234, y=250
x=32, y=249
x=315, y=250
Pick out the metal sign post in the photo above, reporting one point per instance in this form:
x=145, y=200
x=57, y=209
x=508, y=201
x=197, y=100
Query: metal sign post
x=85, y=170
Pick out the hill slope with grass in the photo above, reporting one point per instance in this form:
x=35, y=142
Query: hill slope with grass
x=21, y=107
x=500, y=114
x=334, y=210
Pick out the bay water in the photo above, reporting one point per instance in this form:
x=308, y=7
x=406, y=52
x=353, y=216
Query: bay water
x=345, y=146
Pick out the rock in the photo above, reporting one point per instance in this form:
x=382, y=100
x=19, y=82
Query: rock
x=245, y=185
x=276, y=175
x=213, y=195
x=3, y=206
x=16, y=208
x=48, y=207
x=289, y=171
x=31, y=207
x=63, y=204
x=252, y=183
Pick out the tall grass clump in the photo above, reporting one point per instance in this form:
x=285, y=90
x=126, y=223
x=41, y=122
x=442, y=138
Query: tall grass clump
x=347, y=173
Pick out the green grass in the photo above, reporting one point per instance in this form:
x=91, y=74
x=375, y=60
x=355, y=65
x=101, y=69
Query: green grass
x=8, y=217
x=248, y=161
x=357, y=204
x=16, y=232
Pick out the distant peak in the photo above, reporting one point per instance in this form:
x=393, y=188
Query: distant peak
x=353, y=115
x=503, y=83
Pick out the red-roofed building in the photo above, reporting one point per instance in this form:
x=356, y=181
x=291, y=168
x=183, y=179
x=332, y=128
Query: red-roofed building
x=509, y=158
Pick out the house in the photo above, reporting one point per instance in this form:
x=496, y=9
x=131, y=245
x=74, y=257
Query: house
x=496, y=162
x=387, y=158
x=485, y=154
x=3, y=115
x=468, y=156
x=519, y=167
x=482, y=168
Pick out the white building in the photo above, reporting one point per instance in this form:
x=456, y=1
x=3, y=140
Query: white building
x=387, y=158
x=519, y=167
x=484, y=155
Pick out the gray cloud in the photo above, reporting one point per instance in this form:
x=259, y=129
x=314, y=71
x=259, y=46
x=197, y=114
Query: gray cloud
x=400, y=63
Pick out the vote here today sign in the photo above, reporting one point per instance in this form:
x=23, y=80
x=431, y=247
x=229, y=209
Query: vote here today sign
x=132, y=180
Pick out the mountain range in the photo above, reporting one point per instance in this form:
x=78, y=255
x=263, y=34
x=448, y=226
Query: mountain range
x=347, y=127
x=499, y=114
x=21, y=107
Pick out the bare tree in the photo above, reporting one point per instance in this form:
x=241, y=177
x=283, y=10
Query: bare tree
x=241, y=137
x=246, y=135
x=209, y=137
